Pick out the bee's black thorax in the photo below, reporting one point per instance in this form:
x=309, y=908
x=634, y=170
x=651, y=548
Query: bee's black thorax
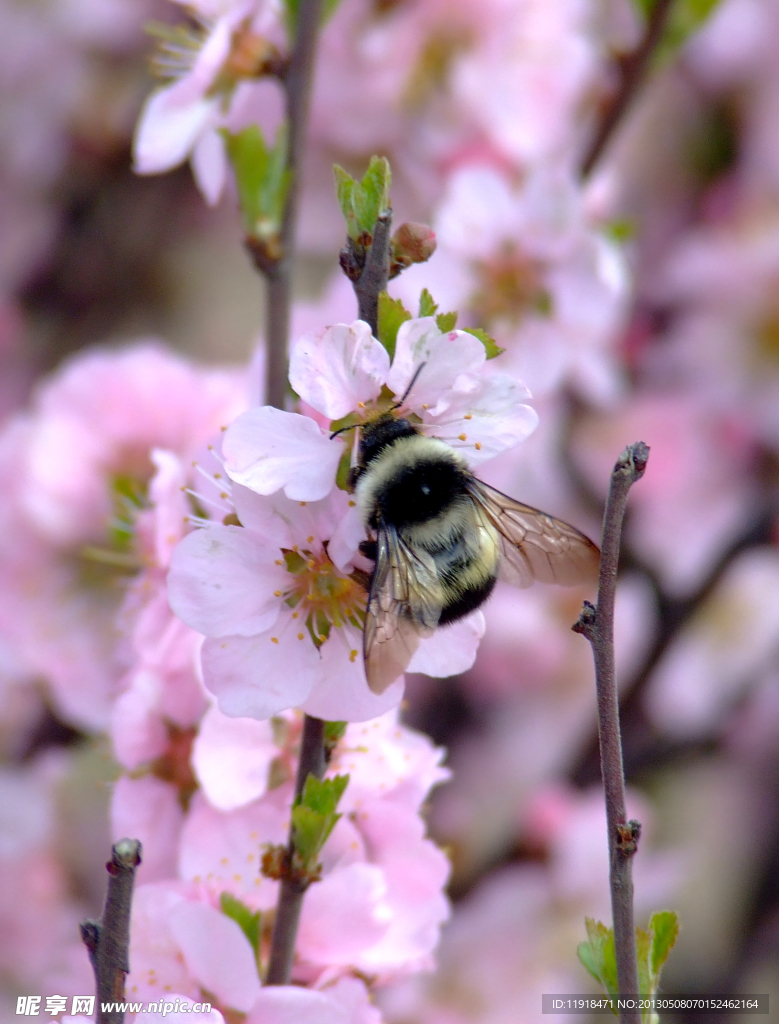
x=376, y=436
x=419, y=486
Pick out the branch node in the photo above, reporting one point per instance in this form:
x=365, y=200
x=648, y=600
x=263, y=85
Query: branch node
x=585, y=624
x=632, y=462
x=627, y=837
x=90, y=936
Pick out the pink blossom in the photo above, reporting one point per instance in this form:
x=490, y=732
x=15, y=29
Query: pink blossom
x=453, y=397
x=180, y=120
x=697, y=491
x=526, y=264
x=78, y=537
x=149, y=809
x=282, y=621
x=728, y=644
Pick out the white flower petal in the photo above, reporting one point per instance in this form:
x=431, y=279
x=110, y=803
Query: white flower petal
x=217, y=953
x=487, y=422
x=222, y=581
x=267, y=449
x=453, y=362
x=346, y=538
x=290, y=1004
x=341, y=691
x=209, y=166
x=231, y=758
x=336, y=369
x=168, y=129
x=253, y=677
x=451, y=649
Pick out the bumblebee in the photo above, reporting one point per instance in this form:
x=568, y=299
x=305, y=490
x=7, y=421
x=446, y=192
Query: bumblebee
x=440, y=539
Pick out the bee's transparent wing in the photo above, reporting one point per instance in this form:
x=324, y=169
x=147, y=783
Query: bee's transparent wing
x=404, y=604
x=534, y=545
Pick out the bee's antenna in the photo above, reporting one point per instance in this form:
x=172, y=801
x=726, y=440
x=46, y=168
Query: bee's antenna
x=407, y=392
x=341, y=430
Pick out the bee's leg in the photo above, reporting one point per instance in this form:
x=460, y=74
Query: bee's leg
x=370, y=549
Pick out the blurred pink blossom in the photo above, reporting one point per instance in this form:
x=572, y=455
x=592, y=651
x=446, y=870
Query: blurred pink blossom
x=79, y=466
x=523, y=261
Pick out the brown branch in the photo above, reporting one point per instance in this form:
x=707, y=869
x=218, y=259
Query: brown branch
x=278, y=271
x=633, y=69
x=108, y=940
x=292, y=890
x=597, y=625
x=375, y=273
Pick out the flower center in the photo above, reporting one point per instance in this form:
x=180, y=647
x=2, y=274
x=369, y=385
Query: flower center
x=510, y=285
x=320, y=595
x=119, y=552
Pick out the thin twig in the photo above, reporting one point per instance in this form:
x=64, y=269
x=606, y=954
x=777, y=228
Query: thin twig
x=632, y=72
x=597, y=624
x=108, y=940
x=375, y=273
x=291, y=891
x=278, y=272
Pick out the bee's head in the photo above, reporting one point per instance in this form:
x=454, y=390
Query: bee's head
x=382, y=430
x=377, y=434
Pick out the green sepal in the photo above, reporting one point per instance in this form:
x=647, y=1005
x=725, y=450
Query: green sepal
x=427, y=305
x=323, y=626
x=295, y=562
x=491, y=347
x=334, y=733
x=249, y=921
x=446, y=322
x=621, y=229
x=361, y=202
x=314, y=817
x=262, y=178
x=342, y=473
x=392, y=313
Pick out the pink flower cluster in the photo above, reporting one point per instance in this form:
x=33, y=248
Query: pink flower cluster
x=274, y=594
x=376, y=913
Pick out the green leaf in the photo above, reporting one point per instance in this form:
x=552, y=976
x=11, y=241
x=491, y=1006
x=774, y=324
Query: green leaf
x=587, y=956
x=392, y=313
x=310, y=831
x=664, y=926
x=361, y=202
x=491, y=347
x=427, y=307
x=685, y=18
x=250, y=922
x=262, y=178
x=602, y=955
x=344, y=188
x=322, y=795
x=314, y=816
x=643, y=956
x=372, y=196
x=446, y=322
